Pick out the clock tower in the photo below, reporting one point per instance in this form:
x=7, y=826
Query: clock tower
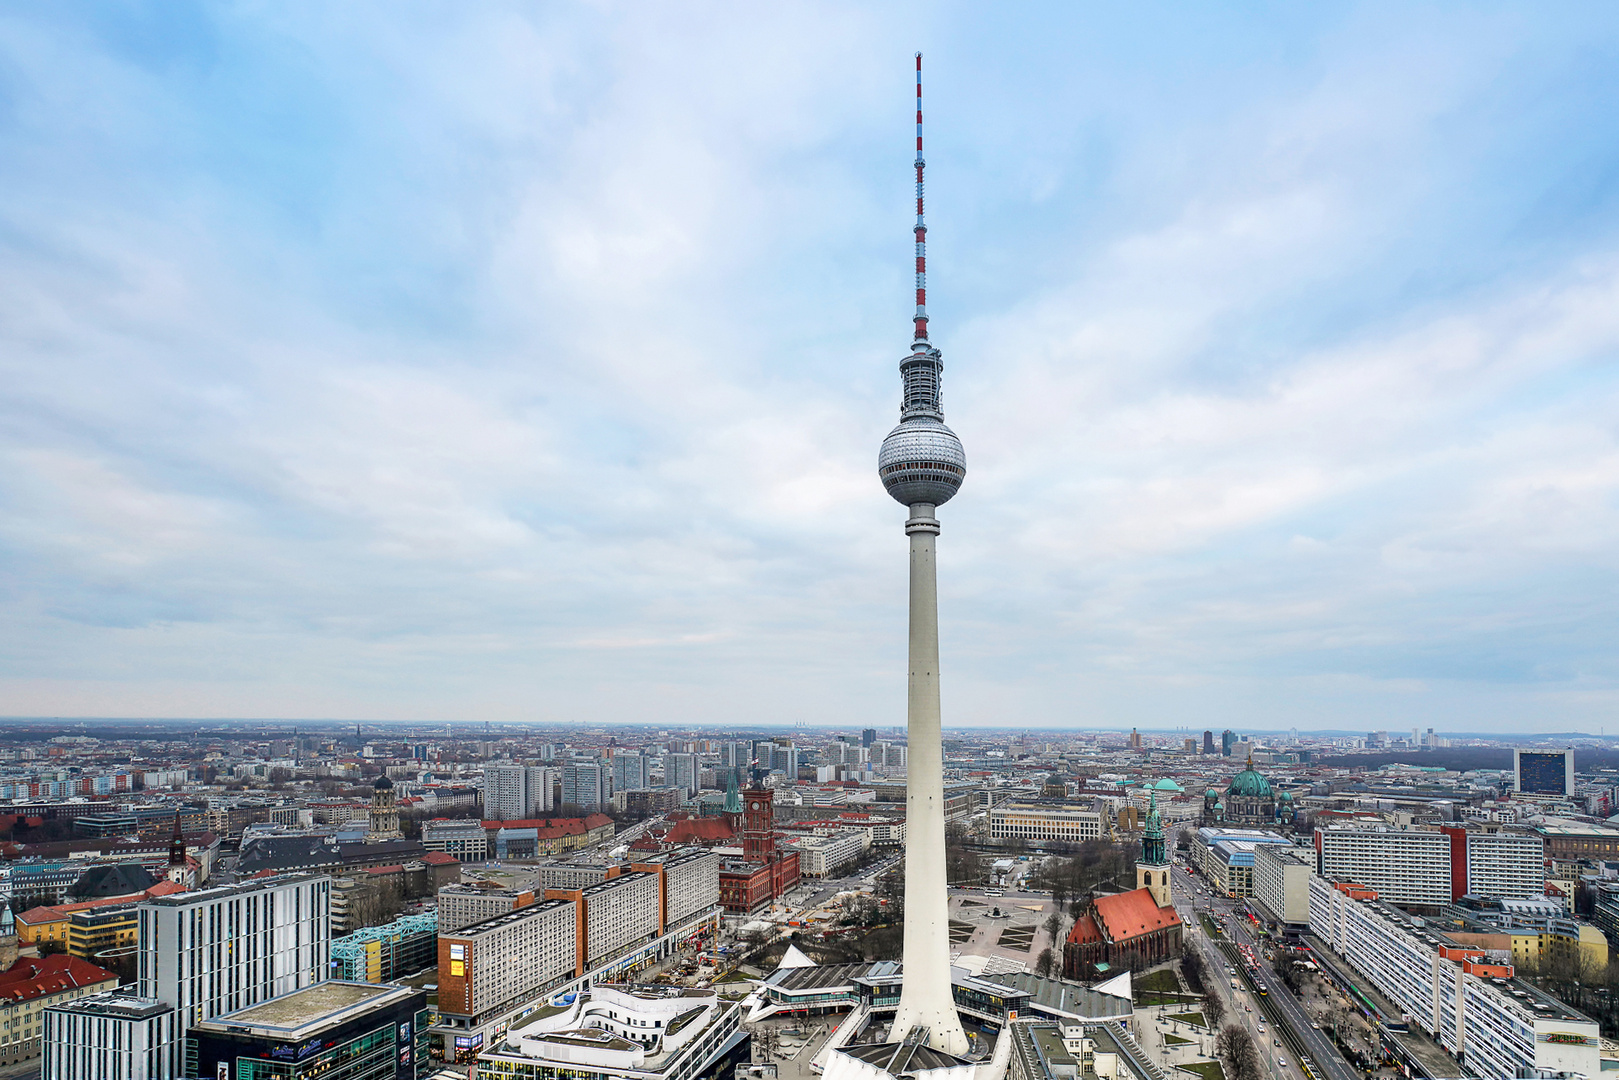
x=759, y=825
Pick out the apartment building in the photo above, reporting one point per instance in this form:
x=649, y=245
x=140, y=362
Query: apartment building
x=1403, y=866
x=504, y=960
x=613, y=915
x=587, y=784
x=1044, y=821
x=1487, y=862
x=682, y=771
x=629, y=772
x=1466, y=997
x=470, y=902
x=690, y=881
x=514, y=792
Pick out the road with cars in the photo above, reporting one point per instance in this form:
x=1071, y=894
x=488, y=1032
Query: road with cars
x=1289, y=1023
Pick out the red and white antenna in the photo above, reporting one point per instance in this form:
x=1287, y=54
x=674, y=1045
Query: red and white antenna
x=921, y=228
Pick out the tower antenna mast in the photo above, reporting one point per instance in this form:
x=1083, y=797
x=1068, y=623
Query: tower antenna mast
x=921, y=316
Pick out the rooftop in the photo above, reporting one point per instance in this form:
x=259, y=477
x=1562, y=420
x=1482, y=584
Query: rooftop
x=298, y=1014
x=115, y=1005
x=223, y=892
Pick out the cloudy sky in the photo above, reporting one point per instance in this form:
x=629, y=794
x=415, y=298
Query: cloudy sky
x=529, y=362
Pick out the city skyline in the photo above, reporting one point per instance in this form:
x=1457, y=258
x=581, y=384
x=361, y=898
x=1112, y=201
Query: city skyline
x=523, y=366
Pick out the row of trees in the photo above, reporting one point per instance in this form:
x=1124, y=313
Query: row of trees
x=1096, y=866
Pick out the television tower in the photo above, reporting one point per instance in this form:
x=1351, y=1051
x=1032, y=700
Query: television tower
x=922, y=464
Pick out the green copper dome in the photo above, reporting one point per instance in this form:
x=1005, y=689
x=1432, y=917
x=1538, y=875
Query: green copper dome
x=1249, y=783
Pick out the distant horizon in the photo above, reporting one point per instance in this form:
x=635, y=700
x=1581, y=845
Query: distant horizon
x=564, y=727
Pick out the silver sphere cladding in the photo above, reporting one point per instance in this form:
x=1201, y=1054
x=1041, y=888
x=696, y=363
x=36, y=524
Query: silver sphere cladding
x=922, y=461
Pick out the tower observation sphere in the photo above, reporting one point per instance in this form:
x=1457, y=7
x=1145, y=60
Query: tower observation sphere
x=922, y=462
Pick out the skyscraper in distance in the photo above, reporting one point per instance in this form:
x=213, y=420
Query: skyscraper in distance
x=922, y=465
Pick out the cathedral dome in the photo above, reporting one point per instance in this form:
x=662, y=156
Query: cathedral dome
x=1250, y=784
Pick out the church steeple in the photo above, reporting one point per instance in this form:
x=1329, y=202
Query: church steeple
x=1152, y=870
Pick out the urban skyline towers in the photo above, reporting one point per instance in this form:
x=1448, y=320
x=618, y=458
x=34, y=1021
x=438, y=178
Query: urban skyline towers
x=922, y=465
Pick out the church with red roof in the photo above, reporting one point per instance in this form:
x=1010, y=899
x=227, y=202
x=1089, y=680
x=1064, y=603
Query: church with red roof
x=1131, y=930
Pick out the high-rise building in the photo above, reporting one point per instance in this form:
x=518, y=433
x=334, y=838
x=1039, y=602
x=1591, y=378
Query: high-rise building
x=541, y=790
x=112, y=1036
x=1228, y=739
x=505, y=792
x=922, y=465
x=868, y=736
x=218, y=950
x=586, y=784
x=681, y=771
x=1543, y=772
x=629, y=772
x=1208, y=742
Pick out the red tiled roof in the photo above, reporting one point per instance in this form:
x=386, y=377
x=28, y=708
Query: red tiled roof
x=54, y=912
x=439, y=858
x=699, y=830
x=553, y=828
x=30, y=978
x=1130, y=914
x=1085, y=932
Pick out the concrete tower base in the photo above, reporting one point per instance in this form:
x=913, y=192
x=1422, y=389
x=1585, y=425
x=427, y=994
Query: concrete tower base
x=926, y=1000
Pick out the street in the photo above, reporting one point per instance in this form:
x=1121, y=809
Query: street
x=1284, y=1011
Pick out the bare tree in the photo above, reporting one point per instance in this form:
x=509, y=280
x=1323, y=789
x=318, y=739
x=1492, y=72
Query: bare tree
x=1043, y=963
x=1192, y=969
x=378, y=904
x=1213, y=1009
x=1236, y=1049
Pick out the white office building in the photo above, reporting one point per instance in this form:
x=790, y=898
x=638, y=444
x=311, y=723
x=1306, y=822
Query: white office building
x=113, y=1036
x=824, y=856
x=1404, y=866
x=465, y=839
x=218, y=950
x=1044, y=821
x=1282, y=883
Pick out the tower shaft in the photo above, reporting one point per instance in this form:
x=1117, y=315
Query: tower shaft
x=926, y=999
